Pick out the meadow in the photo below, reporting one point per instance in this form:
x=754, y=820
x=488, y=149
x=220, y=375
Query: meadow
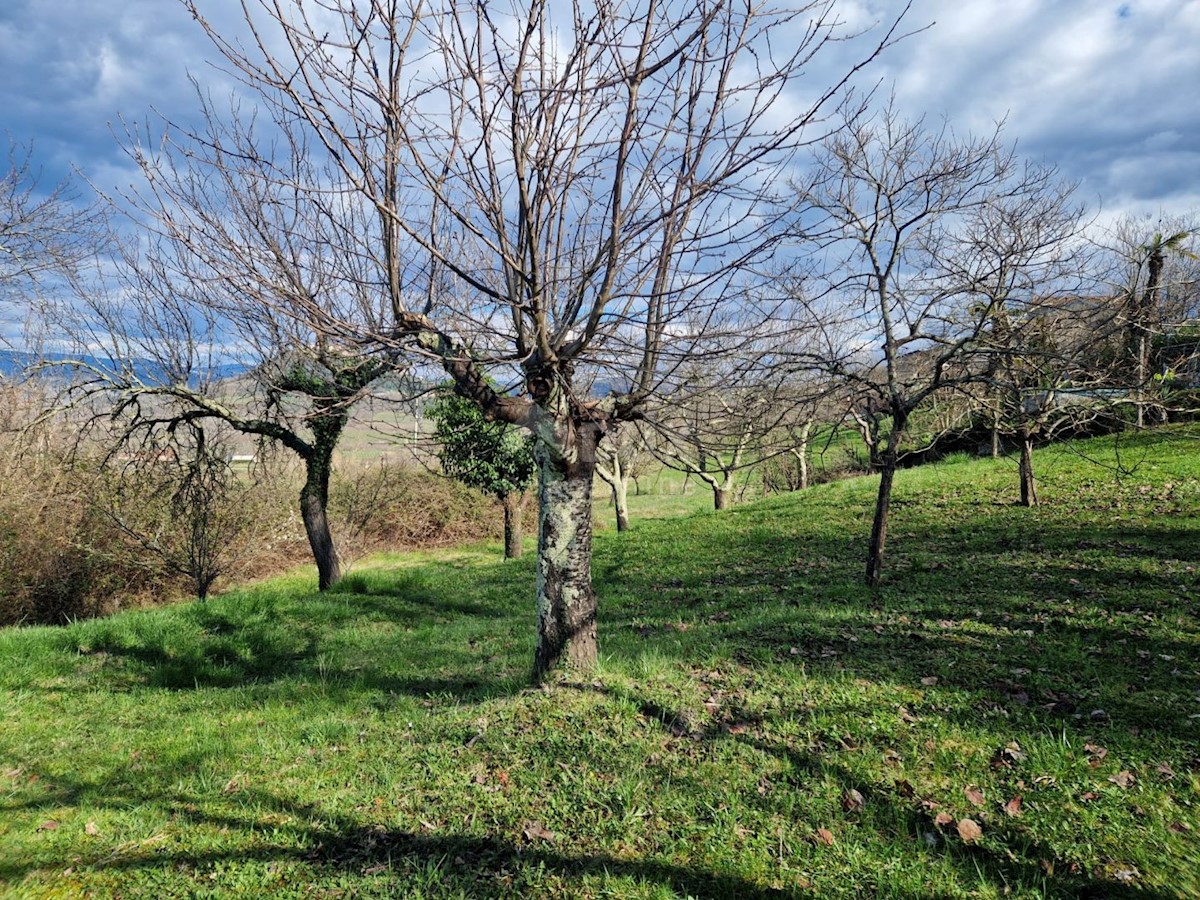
x=1014, y=713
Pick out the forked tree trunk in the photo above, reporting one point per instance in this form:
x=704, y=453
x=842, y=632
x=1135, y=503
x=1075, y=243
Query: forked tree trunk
x=512, y=503
x=886, y=465
x=615, y=476
x=1028, y=480
x=566, y=603
x=314, y=502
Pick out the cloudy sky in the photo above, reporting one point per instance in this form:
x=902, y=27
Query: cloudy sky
x=1105, y=89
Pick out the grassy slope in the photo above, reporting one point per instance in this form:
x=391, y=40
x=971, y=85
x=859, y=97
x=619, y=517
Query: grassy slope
x=380, y=741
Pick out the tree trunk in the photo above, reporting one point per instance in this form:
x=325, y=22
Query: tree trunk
x=512, y=503
x=722, y=497
x=618, y=481
x=566, y=603
x=1141, y=380
x=1028, y=481
x=314, y=501
x=887, y=474
x=800, y=451
x=620, y=492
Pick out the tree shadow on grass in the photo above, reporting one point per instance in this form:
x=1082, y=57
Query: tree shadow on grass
x=894, y=802
x=390, y=634
x=328, y=846
x=332, y=844
x=1050, y=631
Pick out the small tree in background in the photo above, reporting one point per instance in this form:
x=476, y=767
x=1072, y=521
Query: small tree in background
x=493, y=457
x=183, y=507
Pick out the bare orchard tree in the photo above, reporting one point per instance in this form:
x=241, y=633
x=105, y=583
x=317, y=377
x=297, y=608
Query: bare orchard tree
x=1151, y=274
x=1046, y=366
x=810, y=406
x=579, y=177
x=178, y=503
x=623, y=457
x=718, y=431
x=912, y=266
x=218, y=312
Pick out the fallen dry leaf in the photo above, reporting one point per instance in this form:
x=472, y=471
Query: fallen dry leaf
x=1122, y=779
x=852, y=801
x=825, y=836
x=969, y=830
x=1088, y=796
x=930, y=680
x=1007, y=756
x=1013, y=806
x=1179, y=828
x=49, y=825
x=90, y=828
x=974, y=794
x=943, y=819
x=537, y=831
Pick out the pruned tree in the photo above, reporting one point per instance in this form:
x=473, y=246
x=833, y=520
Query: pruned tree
x=1026, y=262
x=493, y=457
x=715, y=434
x=916, y=270
x=582, y=181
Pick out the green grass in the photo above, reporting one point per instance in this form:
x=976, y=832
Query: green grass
x=381, y=740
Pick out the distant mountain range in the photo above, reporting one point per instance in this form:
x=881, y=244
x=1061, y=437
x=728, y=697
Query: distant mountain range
x=16, y=362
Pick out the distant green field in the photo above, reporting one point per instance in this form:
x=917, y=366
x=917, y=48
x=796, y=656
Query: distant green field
x=1015, y=713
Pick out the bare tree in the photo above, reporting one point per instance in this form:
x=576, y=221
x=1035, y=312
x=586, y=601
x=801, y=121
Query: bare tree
x=623, y=457
x=218, y=309
x=579, y=180
x=1150, y=275
x=916, y=270
x=178, y=503
x=716, y=432
x=48, y=237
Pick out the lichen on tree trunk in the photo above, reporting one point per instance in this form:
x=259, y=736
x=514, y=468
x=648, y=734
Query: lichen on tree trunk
x=566, y=603
x=621, y=502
